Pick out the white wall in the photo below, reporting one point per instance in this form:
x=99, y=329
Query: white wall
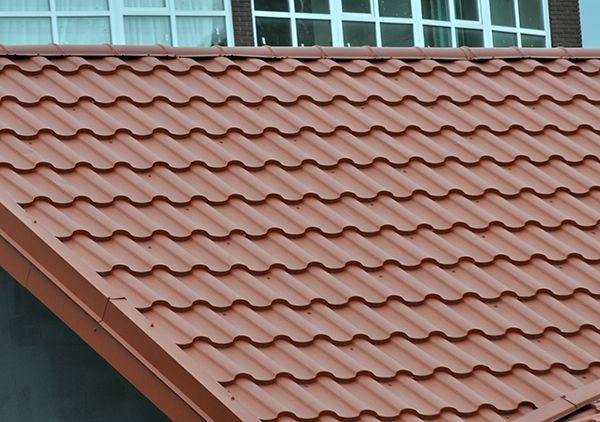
x=590, y=22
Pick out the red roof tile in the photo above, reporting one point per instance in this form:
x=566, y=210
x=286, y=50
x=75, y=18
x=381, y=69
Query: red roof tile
x=285, y=234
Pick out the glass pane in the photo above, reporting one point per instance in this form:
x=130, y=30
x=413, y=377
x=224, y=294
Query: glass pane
x=273, y=31
x=395, y=8
x=144, y=3
x=533, y=41
x=199, y=5
x=503, y=12
x=273, y=5
x=357, y=34
x=396, y=35
x=504, y=39
x=147, y=30
x=435, y=9
x=437, y=36
x=73, y=5
x=469, y=37
x=193, y=31
x=84, y=30
x=467, y=10
x=25, y=31
x=312, y=6
x=23, y=5
x=356, y=6
x=313, y=32
x=531, y=14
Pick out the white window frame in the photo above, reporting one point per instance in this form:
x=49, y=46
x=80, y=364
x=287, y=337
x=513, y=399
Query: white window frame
x=117, y=12
x=336, y=17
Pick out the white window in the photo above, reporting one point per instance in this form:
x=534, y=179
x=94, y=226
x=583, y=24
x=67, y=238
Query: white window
x=402, y=23
x=169, y=22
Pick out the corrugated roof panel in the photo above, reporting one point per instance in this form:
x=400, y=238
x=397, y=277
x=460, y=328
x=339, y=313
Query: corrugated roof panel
x=337, y=234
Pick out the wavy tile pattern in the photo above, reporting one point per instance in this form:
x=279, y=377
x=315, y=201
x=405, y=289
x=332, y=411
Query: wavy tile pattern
x=331, y=239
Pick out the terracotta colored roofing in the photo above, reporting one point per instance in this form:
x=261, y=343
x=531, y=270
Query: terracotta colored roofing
x=301, y=234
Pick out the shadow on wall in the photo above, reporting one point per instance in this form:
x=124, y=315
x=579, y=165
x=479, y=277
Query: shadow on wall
x=47, y=373
x=590, y=23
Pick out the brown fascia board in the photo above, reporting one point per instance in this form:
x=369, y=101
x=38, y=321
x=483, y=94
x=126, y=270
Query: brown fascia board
x=315, y=52
x=109, y=324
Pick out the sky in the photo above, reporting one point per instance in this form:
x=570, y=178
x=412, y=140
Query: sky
x=590, y=22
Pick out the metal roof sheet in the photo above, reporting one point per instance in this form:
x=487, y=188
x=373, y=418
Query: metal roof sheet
x=314, y=233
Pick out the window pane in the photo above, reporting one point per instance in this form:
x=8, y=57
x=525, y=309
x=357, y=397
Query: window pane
x=195, y=31
x=531, y=14
x=147, y=30
x=199, y=5
x=312, y=6
x=396, y=35
x=356, y=6
x=359, y=33
x=144, y=3
x=395, y=8
x=533, y=41
x=469, y=37
x=273, y=5
x=273, y=31
x=313, y=32
x=68, y=5
x=503, y=12
x=24, y=5
x=467, y=10
x=504, y=39
x=25, y=31
x=84, y=30
x=437, y=36
x=435, y=9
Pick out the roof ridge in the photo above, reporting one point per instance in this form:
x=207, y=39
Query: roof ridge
x=307, y=53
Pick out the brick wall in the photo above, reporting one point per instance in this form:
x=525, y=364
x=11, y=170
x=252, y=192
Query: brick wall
x=565, y=24
x=242, y=22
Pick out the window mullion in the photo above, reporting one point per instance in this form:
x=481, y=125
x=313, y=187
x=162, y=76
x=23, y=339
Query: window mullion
x=335, y=8
x=417, y=14
x=375, y=13
x=486, y=20
x=53, y=22
x=171, y=10
x=117, y=30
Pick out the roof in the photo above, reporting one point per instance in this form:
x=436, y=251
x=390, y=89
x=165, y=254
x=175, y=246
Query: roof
x=292, y=234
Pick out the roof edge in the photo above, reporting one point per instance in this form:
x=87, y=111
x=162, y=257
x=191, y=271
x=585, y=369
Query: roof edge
x=93, y=333
x=37, y=262
x=565, y=404
x=307, y=53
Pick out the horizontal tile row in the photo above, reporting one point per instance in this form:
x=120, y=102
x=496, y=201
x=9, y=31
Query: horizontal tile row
x=365, y=396
x=294, y=151
x=344, y=324
x=300, y=290
x=272, y=181
x=287, y=89
x=221, y=65
x=385, y=361
x=235, y=116
x=335, y=253
x=312, y=214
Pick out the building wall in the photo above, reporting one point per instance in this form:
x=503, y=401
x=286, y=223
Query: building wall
x=242, y=22
x=47, y=373
x=565, y=25
x=590, y=28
